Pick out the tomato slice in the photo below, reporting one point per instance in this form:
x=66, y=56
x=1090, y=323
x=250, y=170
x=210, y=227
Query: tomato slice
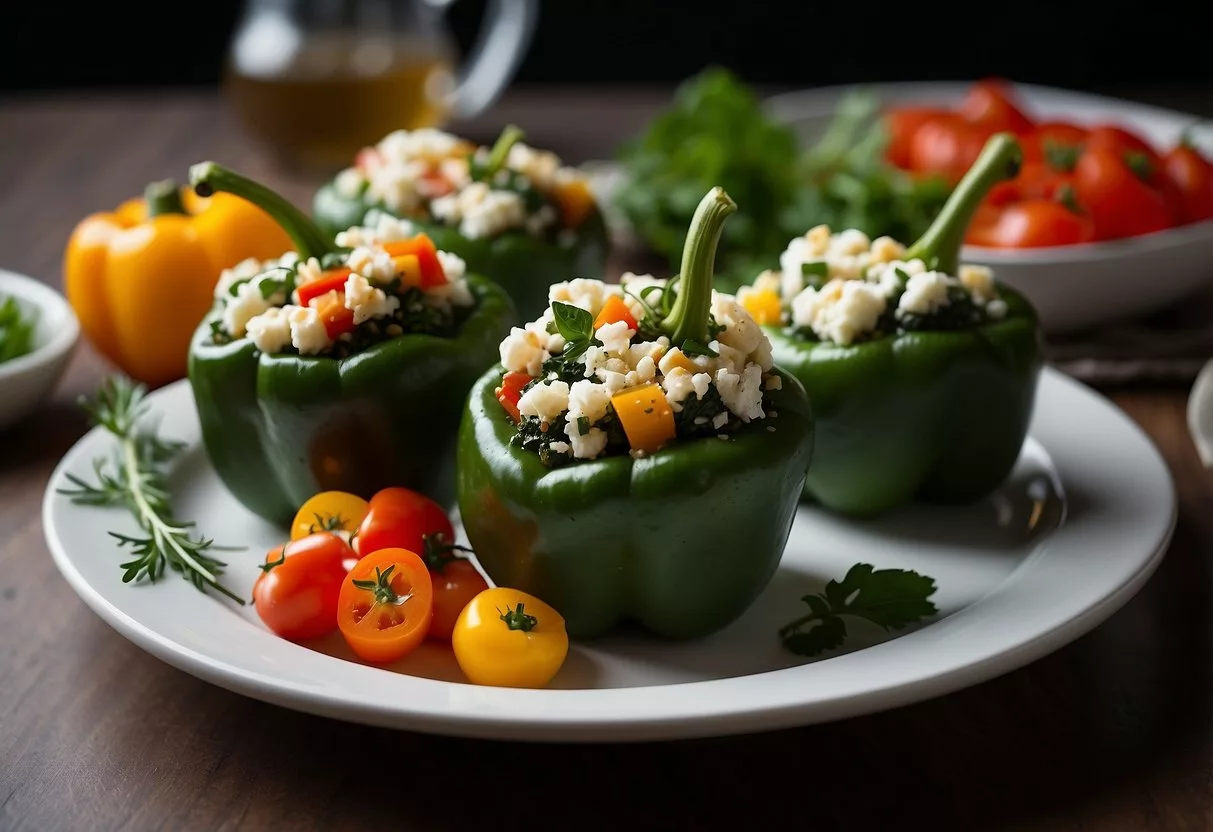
x=510, y=392
x=386, y=605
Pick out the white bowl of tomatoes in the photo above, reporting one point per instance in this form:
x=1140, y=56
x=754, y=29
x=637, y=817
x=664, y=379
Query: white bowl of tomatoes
x=1111, y=216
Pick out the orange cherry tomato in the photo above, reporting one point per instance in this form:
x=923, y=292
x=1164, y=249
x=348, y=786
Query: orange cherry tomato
x=1120, y=202
x=456, y=582
x=296, y=592
x=1191, y=176
x=902, y=123
x=990, y=103
x=398, y=518
x=1031, y=223
x=948, y=146
x=386, y=604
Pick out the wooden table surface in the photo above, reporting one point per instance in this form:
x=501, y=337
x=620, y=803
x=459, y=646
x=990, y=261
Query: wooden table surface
x=1114, y=732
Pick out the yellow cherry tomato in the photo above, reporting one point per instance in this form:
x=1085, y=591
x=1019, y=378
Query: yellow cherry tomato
x=330, y=511
x=507, y=638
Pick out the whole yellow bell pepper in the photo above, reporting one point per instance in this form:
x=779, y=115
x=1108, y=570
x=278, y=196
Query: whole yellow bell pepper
x=142, y=277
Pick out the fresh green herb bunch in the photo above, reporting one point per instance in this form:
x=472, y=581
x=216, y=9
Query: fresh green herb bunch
x=137, y=480
x=16, y=331
x=717, y=132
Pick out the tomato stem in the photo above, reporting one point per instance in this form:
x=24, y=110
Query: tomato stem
x=381, y=586
x=270, y=564
x=438, y=553
x=518, y=619
x=510, y=136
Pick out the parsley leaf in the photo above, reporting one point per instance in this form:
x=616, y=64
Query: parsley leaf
x=16, y=330
x=890, y=598
x=572, y=322
x=693, y=347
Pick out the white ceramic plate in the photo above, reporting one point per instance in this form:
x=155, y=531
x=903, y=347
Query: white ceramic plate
x=1079, y=527
x=1072, y=287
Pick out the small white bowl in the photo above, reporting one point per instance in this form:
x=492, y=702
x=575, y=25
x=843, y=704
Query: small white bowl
x=27, y=380
x=1072, y=287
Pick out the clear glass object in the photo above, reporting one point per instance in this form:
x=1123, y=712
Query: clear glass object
x=316, y=80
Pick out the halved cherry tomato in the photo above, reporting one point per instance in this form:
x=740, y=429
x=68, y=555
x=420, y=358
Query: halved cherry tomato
x=386, y=604
x=948, y=146
x=329, y=511
x=297, y=590
x=398, y=518
x=331, y=281
x=902, y=123
x=1120, y=203
x=1191, y=174
x=508, y=638
x=990, y=103
x=456, y=583
x=1031, y=223
x=510, y=392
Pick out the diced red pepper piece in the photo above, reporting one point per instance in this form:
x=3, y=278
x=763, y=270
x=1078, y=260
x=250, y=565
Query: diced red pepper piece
x=336, y=318
x=423, y=248
x=613, y=311
x=510, y=392
x=330, y=281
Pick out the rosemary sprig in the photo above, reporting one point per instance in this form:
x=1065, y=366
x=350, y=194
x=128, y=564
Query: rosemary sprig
x=137, y=480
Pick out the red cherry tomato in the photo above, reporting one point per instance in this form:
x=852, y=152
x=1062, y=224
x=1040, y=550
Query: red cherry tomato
x=948, y=146
x=1121, y=204
x=1056, y=143
x=402, y=519
x=1032, y=223
x=1191, y=176
x=991, y=104
x=902, y=123
x=296, y=593
x=1123, y=141
x=455, y=584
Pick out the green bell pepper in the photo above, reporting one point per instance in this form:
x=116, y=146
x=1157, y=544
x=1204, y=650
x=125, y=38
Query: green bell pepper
x=280, y=428
x=681, y=541
x=524, y=264
x=939, y=416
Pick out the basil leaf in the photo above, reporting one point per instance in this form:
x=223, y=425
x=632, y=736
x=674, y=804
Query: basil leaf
x=817, y=268
x=573, y=322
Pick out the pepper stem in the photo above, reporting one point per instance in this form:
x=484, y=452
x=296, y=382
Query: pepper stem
x=509, y=137
x=688, y=320
x=939, y=246
x=208, y=178
x=163, y=197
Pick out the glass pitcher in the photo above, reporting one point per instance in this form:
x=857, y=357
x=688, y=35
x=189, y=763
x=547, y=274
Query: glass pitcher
x=316, y=80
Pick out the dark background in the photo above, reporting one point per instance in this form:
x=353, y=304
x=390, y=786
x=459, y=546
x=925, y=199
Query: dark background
x=52, y=44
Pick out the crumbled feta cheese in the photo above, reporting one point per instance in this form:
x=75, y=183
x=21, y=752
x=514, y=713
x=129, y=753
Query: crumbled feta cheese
x=367, y=302
x=997, y=309
x=270, y=331
x=589, y=399
x=774, y=383
x=615, y=337
x=521, y=352
x=742, y=393
x=924, y=293
x=559, y=447
x=720, y=420
x=852, y=241
x=612, y=381
x=427, y=143
x=539, y=166
x=455, y=292
x=731, y=359
x=453, y=266
x=654, y=350
x=479, y=211
x=546, y=400
x=246, y=305
x=646, y=370
x=740, y=331
x=379, y=228
x=349, y=183
x=979, y=281
x=886, y=249
x=372, y=263
x=676, y=358
x=308, y=334
x=678, y=384
x=581, y=292
x=701, y=382
x=588, y=446
x=540, y=221
x=840, y=311
x=244, y=270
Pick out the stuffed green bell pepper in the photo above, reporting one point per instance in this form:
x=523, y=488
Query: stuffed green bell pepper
x=636, y=455
x=922, y=371
x=513, y=213
x=338, y=368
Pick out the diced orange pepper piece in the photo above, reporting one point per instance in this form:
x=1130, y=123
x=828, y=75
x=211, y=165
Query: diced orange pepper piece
x=423, y=248
x=575, y=201
x=613, y=311
x=334, y=279
x=764, y=306
x=510, y=392
x=646, y=417
x=336, y=318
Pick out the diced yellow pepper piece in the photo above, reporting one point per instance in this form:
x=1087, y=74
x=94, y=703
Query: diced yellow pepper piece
x=764, y=306
x=575, y=201
x=409, y=269
x=646, y=417
x=677, y=358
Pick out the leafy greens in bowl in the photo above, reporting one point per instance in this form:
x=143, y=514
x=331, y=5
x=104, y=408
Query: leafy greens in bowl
x=716, y=132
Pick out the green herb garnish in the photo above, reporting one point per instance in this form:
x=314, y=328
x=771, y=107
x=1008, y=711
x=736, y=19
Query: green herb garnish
x=890, y=598
x=576, y=326
x=16, y=331
x=139, y=484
